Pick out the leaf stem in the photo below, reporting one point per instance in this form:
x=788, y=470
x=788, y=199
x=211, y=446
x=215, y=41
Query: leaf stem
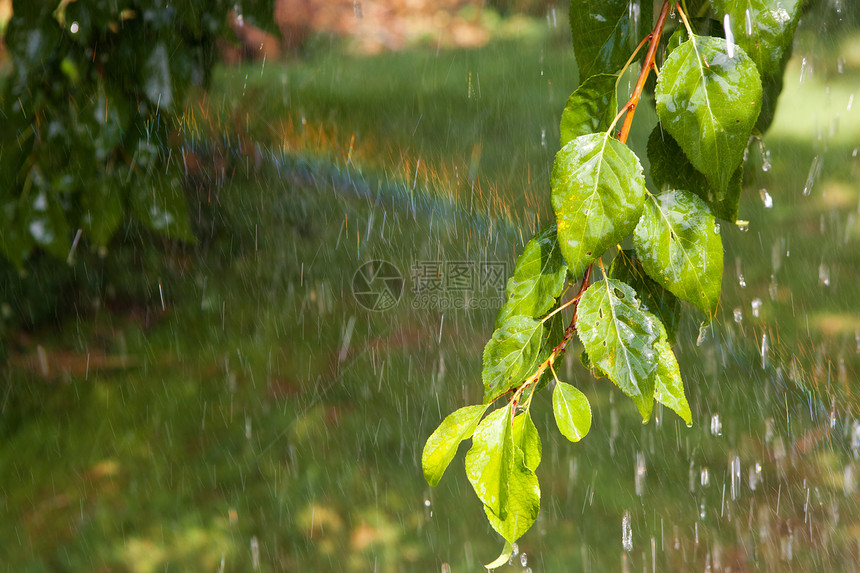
x=686, y=22
x=647, y=65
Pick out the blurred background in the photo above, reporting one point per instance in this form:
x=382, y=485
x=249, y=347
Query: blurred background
x=251, y=254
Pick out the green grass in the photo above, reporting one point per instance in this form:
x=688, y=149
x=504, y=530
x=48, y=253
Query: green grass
x=262, y=403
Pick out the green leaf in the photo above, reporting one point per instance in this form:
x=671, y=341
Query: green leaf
x=512, y=354
x=572, y=411
x=16, y=244
x=679, y=244
x=619, y=337
x=523, y=502
x=46, y=221
x=627, y=268
x=442, y=444
x=589, y=109
x=597, y=195
x=527, y=440
x=605, y=33
x=503, y=558
x=159, y=203
x=669, y=388
x=538, y=278
x=490, y=461
x=102, y=211
x=764, y=29
x=670, y=169
x=709, y=103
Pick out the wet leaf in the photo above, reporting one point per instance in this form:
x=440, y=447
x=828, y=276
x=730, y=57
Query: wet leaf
x=670, y=169
x=589, y=109
x=597, y=195
x=669, y=388
x=538, y=278
x=523, y=502
x=503, y=558
x=764, y=29
x=527, y=440
x=15, y=242
x=46, y=222
x=709, y=103
x=572, y=411
x=102, y=209
x=159, y=204
x=442, y=444
x=619, y=337
x=677, y=241
x=512, y=354
x=627, y=268
x=490, y=461
x=605, y=33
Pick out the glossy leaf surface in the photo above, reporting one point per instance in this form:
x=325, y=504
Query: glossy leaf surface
x=597, y=195
x=709, y=103
x=763, y=28
x=589, y=109
x=619, y=337
x=678, y=241
x=490, y=460
x=442, y=444
x=572, y=411
x=626, y=267
x=512, y=354
x=669, y=388
x=605, y=33
x=527, y=440
x=538, y=278
x=670, y=169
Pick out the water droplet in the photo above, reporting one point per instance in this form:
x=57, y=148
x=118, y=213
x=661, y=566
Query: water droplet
x=716, y=228
x=641, y=470
x=74, y=28
x=754, y=476
x=705, y=477
x=755, y=305
x=735, y=470
x=730, y=37
x=850, y=102
x=515, y=549
x=823, y=275
x=748, y=19
x=426, y=503
x=764, y=351
x=773, y=288
x=524, y=559
x=738, y=314
x=716, y=425
x=742, y=281
x=543, y=137
x=766, y=199
x=742, y=225
x=626, y=532
x=814, y=171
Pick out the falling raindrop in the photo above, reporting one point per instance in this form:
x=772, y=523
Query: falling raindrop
x=543, y=137
x=738, y=314
x=823, y=275
x=641, y=470
x=524, y=559
x=730, y=37
x=814, y=171
x=766, y=199
x=756, y=307
x=705, y=477
x=764, y=351
x=716, y=425
x=626, y=532
x=735, y=470
x=255, y=553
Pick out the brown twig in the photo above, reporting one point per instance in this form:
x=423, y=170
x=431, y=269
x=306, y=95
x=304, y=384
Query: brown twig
x=647, y=66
